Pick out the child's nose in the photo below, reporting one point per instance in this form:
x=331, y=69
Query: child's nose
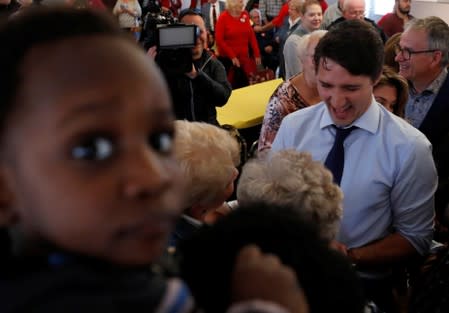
x=146, y=175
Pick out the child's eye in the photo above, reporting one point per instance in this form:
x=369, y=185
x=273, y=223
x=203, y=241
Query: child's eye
x=161, y=142
x=94, y=149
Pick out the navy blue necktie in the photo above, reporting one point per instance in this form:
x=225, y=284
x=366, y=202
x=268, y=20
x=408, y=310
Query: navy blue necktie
x=335, y=160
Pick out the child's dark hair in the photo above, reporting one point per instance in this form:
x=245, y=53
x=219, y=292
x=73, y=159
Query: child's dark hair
x=355, y=45
x=36, y=26
x=207, y=259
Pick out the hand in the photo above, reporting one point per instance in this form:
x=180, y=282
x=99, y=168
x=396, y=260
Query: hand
x=214, y=215
x=193, y=73
x=338, y=246
x=253, y=270
x=258, y=61
x=235, y=62
x=258, y=29
x=152, y=52
x=268, y=49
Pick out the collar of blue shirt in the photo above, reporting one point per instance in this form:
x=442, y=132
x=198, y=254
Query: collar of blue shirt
x=369, y=120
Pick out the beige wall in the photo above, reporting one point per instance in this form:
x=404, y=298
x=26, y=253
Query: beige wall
x=423, y=8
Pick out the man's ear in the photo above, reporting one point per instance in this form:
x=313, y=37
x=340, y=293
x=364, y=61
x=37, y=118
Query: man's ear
x=437, y=56
x=8, y=215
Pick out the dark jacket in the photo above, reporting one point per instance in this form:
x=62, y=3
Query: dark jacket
x=264, y=39
x=436, y=128
x=196, y=99
x=61, y=283
x=369, y=21
x=183, y=230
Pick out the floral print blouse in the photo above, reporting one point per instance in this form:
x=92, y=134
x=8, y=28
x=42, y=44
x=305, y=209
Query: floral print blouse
x=285, y=100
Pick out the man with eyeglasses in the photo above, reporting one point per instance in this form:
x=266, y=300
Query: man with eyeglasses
x=394, y=22
x=355, y=9
x=423, y=56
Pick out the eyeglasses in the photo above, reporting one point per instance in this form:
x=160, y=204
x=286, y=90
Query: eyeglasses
x=356, y=14
x=407, y=53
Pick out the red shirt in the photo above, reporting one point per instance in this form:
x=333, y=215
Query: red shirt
x=283, y=13
x=233, y=36
x=324, y=5
x=391, y=24
x=279, y=19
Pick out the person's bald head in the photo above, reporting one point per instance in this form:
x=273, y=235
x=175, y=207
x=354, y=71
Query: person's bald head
x=353, y=9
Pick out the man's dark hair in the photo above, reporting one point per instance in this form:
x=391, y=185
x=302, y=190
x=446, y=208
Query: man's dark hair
x=190, y=11
x=207, y=259
x=40, y=25
x=355, y=45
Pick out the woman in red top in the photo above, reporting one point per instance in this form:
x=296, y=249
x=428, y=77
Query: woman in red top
x=234, y=35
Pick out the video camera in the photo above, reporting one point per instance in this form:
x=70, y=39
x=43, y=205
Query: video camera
x=173, y=40
x=174, y=44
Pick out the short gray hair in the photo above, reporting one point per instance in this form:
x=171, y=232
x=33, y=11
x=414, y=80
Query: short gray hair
x=294, y=179
x=437, y=32
x=305, y=40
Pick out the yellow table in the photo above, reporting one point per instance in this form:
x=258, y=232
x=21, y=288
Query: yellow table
x=246, y=106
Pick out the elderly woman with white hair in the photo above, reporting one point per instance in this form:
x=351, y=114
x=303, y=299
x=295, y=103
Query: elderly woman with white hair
x=292, y=178
x=298, y=92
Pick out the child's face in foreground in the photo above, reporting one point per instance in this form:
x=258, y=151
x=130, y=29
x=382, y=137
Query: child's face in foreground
x=89, y=162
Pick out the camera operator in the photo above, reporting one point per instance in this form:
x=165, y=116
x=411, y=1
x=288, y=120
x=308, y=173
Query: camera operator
x=196, y=93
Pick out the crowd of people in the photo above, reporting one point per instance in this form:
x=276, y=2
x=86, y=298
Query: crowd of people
x=121, y=192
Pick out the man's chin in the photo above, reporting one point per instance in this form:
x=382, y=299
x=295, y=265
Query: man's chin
x=197, y=52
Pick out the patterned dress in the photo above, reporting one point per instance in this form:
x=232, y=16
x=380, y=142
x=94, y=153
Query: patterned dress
x=285, y=100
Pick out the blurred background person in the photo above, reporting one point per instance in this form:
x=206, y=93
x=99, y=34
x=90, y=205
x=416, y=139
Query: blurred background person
x=289, y=25
x=128, y=13
x=333, y=12
x=391, y=91
x=234, y=36
x=203, y=86
x=310, y=21
x=268, y=46
x=355, y=9
x=269, y=9
x=208, y=156
x=392, y=23
x=211, y=10
x=298, y=92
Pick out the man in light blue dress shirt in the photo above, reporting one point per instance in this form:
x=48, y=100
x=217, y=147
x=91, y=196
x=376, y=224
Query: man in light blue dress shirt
x=389, y=176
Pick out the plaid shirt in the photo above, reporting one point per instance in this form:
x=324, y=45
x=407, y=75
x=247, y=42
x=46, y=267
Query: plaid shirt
x=418, y=104
x=270, y=7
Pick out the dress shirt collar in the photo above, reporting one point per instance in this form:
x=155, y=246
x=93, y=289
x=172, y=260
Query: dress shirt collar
x=369, y=120
x=292, y=23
